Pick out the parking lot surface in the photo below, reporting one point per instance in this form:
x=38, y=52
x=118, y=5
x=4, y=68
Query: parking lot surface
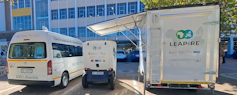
x=126, y=84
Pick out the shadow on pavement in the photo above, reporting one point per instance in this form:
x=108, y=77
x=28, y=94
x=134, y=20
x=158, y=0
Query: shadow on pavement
x=121, y=88
x=36, y=90
x=183, y=92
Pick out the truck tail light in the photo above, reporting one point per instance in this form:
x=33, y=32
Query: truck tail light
x=200, y=87
x=148, y=83
x=159, y=85
x=212, y=86
x=50, y=68
x=7, y=68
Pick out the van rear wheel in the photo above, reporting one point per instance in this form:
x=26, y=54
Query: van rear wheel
x=111, y=81
x=84, y=81
x=64, y=80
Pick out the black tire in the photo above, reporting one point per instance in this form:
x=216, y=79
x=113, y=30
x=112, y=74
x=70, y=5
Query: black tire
x=84, y=82
x=125, y=60
x=64, y=80
x=111, y=82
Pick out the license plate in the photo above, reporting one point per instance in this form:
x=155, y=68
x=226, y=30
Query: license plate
x=26, y=70
x=97, y=73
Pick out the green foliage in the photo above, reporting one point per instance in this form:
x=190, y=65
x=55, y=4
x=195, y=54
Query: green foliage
x=228, y=11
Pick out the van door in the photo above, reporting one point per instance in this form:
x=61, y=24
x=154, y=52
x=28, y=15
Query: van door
x=27, y=61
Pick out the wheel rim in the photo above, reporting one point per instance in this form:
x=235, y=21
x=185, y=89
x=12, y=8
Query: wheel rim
x=65, y=80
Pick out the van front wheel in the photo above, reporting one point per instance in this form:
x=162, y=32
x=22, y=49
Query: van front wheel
x=64, y=80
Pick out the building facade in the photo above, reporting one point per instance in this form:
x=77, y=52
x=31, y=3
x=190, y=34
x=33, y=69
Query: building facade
x=71, y=17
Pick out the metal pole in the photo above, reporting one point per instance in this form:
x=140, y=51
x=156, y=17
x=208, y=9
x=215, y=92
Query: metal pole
x=129, y=30
x=129, y=39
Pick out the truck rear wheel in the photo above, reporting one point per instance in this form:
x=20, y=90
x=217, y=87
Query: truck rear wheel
x=84, y=82
x=111, y=82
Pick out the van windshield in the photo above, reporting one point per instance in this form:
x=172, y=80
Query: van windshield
x=29, y=50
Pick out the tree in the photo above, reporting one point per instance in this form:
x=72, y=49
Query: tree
x=228, y=11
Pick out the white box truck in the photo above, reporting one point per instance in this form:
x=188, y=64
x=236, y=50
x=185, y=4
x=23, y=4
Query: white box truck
x=100, y=62
x=181, y=44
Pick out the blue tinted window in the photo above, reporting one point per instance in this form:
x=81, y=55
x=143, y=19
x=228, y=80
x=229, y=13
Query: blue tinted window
x=121, y=34
x=82, y=32
x=121, y=9
x=71, y=13
x=41, y=10
x=21, y=4
x=132, y=8
x=27, y=3
x=55, y=30
x=15, y=4
x=54, y=14
x=63, y=13
x=72, y=32
x=90, y=33
x=63, y=31
x=81, y=12
x=22, y=23
x=134, y=31
x=114, y=34
x=100, y=10
x=142, y=7
x=91, y=11
x=111, y=9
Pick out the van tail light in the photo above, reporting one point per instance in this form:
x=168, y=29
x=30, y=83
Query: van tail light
x=86, y=69
x=109, y=69
x=50, y=68
x=7, y=69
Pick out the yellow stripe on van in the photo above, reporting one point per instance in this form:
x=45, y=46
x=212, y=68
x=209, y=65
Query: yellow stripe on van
x=77, y=71
x=29, y=60
x=56, y=77
x=188, y=82
x=70, y=73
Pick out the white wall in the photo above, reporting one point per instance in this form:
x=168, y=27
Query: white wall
x=2, y=17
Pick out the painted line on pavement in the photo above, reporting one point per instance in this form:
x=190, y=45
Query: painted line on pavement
x=135, y=85
x=229, y=76
x=65, y=93
x=9, y=89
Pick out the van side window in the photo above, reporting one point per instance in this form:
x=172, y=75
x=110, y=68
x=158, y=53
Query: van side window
x=67, y=50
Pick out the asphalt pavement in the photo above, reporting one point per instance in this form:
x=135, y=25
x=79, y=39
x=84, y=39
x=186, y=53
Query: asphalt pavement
x=126, y=84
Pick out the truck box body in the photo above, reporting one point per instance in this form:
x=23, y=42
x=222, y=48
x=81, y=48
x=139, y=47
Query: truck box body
x=100, y=55
x=182, y=45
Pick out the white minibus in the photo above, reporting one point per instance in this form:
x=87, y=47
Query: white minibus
x=40, y=57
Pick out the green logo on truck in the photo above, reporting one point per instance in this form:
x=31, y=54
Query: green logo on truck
x=187, y=34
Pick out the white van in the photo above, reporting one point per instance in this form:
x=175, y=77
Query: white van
x=100, y=62
x=39, y=57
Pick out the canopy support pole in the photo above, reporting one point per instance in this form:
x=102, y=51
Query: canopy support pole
x=129, y=39
x=117, y=20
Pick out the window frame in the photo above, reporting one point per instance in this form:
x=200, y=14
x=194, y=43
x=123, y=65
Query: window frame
x=63, y=13
x=110, y=10
x=71, y=12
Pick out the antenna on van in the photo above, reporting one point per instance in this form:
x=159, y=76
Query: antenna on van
x=45, y=28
